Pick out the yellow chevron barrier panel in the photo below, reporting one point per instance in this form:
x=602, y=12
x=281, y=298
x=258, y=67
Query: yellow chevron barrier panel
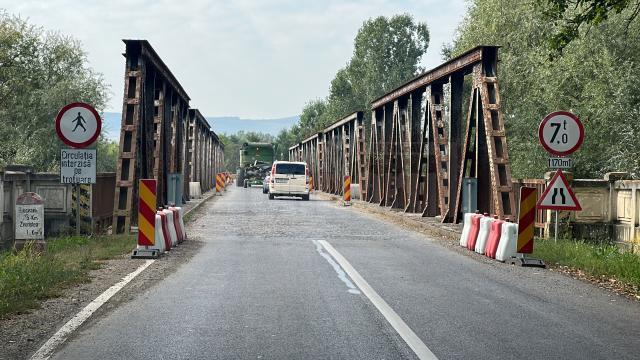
x=146, y=220
x=527, y=218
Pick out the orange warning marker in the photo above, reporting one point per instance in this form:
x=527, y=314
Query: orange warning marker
x=347, y=190
x=219, y=183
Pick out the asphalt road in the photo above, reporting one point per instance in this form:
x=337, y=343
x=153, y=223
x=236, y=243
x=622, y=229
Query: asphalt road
x=263, y=286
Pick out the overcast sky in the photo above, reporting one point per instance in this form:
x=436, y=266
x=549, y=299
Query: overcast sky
x=247, y=58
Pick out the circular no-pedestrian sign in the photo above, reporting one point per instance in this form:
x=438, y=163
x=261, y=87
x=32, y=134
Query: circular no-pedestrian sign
x=78, y=125
x=561, y=133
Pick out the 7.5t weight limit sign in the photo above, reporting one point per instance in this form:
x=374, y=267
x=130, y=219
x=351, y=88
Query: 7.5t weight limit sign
x=561, y=133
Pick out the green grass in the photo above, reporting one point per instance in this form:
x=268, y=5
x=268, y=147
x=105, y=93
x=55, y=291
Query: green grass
x=27, y=276
x=593, y=259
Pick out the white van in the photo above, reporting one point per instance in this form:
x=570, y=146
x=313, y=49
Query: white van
x=289, y=179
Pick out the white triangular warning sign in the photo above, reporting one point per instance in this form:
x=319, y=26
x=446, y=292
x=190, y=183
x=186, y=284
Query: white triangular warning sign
x=558, y=195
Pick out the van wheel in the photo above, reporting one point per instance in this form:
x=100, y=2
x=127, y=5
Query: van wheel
x=271, y=197
x=305, y=197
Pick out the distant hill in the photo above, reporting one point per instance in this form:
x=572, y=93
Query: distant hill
x=227, y=124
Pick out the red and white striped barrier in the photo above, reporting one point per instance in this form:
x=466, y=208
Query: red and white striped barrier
x=173, y=234
x=159, y=235
x=494, y=238
x=473, y=232
x=165, y=229
x=483, y=234
x=179, y=222
x=466, y=229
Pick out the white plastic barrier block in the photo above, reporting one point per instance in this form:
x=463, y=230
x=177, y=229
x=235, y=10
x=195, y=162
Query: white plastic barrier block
x=159, y=236
x=176, y=223
x=180, y=225
x=172, y=227
x=466, y=228
x=158, y=246
x=483, y=235
x=184, y=230
x=195, y=191
x=508, y=245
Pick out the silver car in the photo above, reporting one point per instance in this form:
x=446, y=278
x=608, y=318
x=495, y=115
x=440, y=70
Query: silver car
x=265, y=184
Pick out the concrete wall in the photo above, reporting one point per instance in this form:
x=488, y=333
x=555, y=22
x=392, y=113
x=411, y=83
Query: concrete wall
x=610, y=211
x=14, y=180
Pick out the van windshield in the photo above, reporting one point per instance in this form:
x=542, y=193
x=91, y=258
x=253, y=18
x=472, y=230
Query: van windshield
x=294, y=169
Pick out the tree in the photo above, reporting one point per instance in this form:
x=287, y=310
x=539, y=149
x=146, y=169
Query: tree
x=313, y=118
x=573, y=14
x=387, y=53
x=342, y=99
x=596, y=78
x=286, y=139
x=107, y=152
x=40, y=72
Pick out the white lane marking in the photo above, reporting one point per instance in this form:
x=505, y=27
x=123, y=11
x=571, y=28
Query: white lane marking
x=341, y=274
x=61, y=336
x=419, y=348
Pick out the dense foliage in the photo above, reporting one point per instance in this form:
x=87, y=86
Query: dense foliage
x=387, y=52
x=596, y=77
x=40, y=72
x=571, y=15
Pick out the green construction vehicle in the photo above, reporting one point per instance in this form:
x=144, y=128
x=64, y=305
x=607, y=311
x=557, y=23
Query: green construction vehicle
x=255, y=163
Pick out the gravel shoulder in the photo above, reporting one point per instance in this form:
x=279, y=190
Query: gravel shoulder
x=22, y=334
x=449, y=234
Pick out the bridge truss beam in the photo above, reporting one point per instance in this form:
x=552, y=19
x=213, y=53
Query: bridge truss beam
x=423, y=143
x=157, y=138
x=420, y=149
x=334, y=152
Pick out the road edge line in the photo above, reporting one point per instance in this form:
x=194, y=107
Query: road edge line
x=410, y=338
x=47, y=349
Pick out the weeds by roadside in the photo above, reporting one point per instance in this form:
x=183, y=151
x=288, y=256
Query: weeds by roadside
x=27, y=276
x=594, y=259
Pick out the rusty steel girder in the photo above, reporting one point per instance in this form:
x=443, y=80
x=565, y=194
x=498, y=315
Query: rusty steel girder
x=205, y=155
x=307, y=151
x=157, y=138
x=333, y=153
x=419, y=151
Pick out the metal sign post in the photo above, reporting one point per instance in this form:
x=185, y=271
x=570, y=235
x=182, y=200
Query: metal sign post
x=77, y=189
x=555, y=232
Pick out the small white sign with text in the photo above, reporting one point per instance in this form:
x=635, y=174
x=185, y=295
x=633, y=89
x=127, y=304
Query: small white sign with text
x=78, y=166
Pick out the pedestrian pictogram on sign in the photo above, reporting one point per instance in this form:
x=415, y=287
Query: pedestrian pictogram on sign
x=78, y=125
x=558, y=195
